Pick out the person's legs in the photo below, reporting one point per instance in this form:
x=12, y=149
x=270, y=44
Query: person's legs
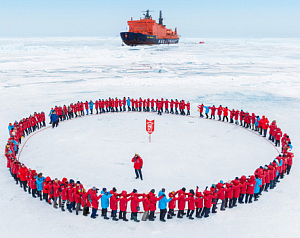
x=140, y=172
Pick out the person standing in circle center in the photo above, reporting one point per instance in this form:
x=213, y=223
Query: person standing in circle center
x=138, y=164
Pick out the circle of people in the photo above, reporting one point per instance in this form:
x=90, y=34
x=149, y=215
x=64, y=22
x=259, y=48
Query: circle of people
x=72, y=196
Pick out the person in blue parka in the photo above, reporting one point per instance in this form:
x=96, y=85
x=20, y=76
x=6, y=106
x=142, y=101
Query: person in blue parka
x=91, y=106
x=206, y=110
x=105, y=202
x=257, y=187
x=128, y=103
x=162, y=204
x=39, y=185
x=257, y=119
x=54, y=119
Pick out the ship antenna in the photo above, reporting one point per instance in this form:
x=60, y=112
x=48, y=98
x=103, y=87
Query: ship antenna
x=147, y=15
x=160, y=18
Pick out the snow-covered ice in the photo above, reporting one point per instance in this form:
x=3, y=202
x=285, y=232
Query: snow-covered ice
x=257, y=75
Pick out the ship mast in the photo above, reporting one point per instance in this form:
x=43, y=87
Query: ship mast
x=160, y=18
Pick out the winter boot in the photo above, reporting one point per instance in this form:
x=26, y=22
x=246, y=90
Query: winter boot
x=135, y=219
x=131, y=218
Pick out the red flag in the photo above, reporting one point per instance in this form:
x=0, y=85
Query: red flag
x=149, y=126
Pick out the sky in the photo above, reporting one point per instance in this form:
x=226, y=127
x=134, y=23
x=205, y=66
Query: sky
x=200, y=19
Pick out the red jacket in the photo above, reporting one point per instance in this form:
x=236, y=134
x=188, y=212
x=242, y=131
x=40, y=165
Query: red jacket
x=236, y=188
x=71, y=193
x=138, y=162
x=228, y=191
x=188, y=106
x=23, y=173
x=146, y=204
x=95, y=199
x=181, y=200
x=207, y=199
x=33, y=184
x=113, y=202
x=221, y=191
x=220, y=110
x=135, y=202
x=225, y=110
x=56, y=188
x=251, y=184
x=278, y=134
x=191, y=202
x=124, y=200
x=199, y=201
x=77, y=193
x=172, y=203
x=243, y=184
x=153, y=200
x=64, y=192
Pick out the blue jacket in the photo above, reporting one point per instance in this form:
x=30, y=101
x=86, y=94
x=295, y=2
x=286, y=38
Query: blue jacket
x=256, y=121
x=162, y=203
x=128, y=102
x=91, y=104
x=257, y=184
x=10, y=127
x=105, y=199
x=16, y=144
x=53, y=117
x=206, y=109
x=39, y=183
x=51, y=112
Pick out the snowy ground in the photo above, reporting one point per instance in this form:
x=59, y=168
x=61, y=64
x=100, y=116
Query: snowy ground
x=251, y=74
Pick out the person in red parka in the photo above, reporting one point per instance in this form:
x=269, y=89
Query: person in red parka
x=212, y=111
x=124, y=199
x=236, y=191
x=135, y=204
x=138, y=164
x=23, y=177
x=86, y=201
x=78, y=189
x=113, y=202
x=243, y=184
x=219, y=111
x=278, y=135
x=56, y=193
x=146, y=206
x=221, y=195
x=199, y=203
x=94, y=200
x=191, y=204
x=207, y=202
x=64, y=192
x=228, y=195
x=225, y=113
x=153, y=200
x=181, y=202
x=250, y=189
x=188, y=108
x=200, y=109
x=172, y=204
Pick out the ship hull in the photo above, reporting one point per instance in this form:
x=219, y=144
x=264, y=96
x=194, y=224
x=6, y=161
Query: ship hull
x=131, y=38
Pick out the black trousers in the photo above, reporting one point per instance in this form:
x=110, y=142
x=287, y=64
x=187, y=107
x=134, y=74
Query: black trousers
x=198, y=212
x=151, y=216
x=162, y=214
x=138, y=173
